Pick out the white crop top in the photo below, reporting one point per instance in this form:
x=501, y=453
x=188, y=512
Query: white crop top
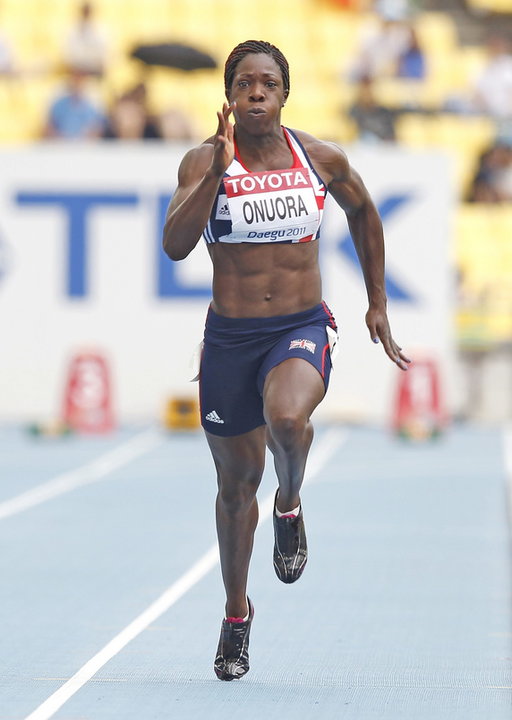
x=268, y=206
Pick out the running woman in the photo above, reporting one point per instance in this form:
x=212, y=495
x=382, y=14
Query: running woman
x=255, y=192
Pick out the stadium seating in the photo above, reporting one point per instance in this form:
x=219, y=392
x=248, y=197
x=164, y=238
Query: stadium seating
x=483, y=253
x=319, y=39
x=496, y=6
x=317, y=36
x=464, y=137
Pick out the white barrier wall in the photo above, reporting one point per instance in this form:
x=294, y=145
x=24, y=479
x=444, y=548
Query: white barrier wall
x=81, y=267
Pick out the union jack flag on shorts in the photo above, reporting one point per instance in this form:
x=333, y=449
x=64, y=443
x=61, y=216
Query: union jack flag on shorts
x=303, y=345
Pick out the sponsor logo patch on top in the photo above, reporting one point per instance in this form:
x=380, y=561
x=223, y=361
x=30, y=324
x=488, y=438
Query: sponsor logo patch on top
x=267, y=182
x=303, y=345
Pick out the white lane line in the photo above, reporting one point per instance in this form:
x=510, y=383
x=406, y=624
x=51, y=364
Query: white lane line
x=507, y=447
x=201, y=568
x=320, y=455
x=85, y=475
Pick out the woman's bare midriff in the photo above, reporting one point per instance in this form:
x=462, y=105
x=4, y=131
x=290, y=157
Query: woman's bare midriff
x=262, y=280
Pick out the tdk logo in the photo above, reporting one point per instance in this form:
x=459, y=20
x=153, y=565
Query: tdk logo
x=77, y=207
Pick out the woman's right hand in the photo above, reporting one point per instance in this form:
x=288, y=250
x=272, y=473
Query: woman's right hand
x=224, y=144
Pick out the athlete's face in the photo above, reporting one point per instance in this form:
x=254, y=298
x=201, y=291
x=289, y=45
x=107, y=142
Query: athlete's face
x=259, y=93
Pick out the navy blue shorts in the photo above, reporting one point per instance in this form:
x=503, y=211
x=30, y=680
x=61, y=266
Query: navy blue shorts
x=239, y=352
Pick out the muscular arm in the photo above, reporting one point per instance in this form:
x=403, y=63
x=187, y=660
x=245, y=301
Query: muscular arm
x=366, y=229
x=199, y=177
x=349, y=191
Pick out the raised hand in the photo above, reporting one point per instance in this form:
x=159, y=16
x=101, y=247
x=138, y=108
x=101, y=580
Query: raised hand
x=224, y=145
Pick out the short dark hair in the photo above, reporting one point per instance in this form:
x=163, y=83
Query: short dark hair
x=255, y=47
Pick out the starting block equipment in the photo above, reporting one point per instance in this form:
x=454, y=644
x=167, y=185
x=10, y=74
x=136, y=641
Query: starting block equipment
x=182, y=413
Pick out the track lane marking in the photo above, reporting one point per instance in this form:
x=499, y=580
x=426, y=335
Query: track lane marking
x=322, y=452
x=85, y=475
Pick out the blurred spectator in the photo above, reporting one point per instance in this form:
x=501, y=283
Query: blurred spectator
x=85, y=49
x=493, y=179
x=129, y=118
x=493, y=88
x=398, y=9
x=411, y=61
x=374, y=121
x=126, y=121
x=359, y=5
x=74, y=115
x=389, y=50
x=175, y=125
x=6, y=57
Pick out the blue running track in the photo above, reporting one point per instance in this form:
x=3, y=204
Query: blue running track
x=111, y=598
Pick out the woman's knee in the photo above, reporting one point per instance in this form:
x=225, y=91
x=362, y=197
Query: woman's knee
x=288, y=429
x=237, y=490
x=240, y=462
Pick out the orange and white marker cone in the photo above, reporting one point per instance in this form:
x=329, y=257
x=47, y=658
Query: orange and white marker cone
x=88, y=396
x=418, y=411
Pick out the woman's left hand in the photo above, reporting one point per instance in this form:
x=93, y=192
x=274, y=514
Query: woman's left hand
x=378, y=325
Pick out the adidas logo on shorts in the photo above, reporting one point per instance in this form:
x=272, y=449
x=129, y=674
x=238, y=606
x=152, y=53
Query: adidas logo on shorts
x=213, y=417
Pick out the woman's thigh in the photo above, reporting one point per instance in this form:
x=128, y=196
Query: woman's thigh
x=239, y=458
x=292, y=389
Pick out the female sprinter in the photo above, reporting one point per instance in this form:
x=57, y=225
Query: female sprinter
x=255, y=192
